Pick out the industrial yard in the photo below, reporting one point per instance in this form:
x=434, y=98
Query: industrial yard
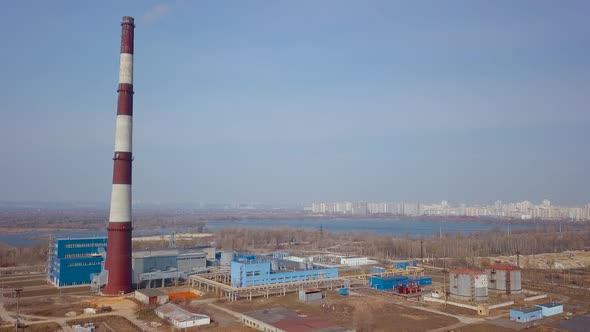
x=359, y=294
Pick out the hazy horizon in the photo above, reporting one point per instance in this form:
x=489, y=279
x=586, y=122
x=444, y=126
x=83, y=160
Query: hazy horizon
x=291, y=102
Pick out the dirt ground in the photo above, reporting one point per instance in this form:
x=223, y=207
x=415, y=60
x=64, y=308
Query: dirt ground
x=362, y=312
x=50, y=290
x=116, y=303
x=58, y=306
x=493, y=328
x=44, y=327
x=107, y=323
x=23, y=282
x=564, y=260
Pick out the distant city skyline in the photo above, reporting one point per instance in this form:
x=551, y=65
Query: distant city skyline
x=299, y=101
x=524, y=210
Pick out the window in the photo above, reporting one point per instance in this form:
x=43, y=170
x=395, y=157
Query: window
x=85, y=245
x=82, y=264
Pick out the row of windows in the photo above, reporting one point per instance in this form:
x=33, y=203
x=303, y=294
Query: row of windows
x=250, y=323
x=85, y=245
x=253, y=273
x=83, y=264
x=81, y=255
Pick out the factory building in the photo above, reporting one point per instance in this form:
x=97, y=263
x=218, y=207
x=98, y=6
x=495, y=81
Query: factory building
x=338, y=260
x=259, y=272
x=155, y=267
x=72, y=261
x=550, y=309
x=284, y=264
x=356, y=261
x=180, y=317
x=468, y=284
x=151, y=296
x=307, y=295
x=525, y=315
x=504, y=278
x=395, y=281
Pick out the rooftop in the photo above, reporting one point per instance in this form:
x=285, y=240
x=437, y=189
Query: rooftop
x=549, y=305
x=527, y=309
x=99, y=238
x=155, y=253
x=174, y=312
x=291, y=321
x=150, y=292
x=468, y=271
x=312, y=290
x=504, y=267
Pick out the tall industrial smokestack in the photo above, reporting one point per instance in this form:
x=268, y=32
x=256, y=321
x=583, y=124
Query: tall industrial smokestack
x=118, y=260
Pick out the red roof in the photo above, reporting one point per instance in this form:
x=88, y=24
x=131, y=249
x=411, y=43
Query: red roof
x=504, y=267
x=468, y=271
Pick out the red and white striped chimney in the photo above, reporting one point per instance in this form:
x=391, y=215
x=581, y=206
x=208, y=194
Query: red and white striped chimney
x=118, y=260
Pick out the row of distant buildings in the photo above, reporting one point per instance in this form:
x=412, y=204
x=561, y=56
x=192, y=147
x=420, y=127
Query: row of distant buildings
x=520, y=210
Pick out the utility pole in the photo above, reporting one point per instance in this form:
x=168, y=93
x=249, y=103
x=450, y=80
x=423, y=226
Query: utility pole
x=17, y=293
x=422, y=251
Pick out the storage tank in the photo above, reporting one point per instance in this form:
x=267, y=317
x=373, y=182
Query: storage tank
x=226, y=258
x=504, y=278
x=468, y=284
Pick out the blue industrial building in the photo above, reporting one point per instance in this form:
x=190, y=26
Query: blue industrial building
x=72, y=261
x=391, y=282
x=550, y=309
x=526, y=315
x=402, y=265
x=247, y=272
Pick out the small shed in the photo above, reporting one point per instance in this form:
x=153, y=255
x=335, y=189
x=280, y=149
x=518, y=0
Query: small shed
x=550, y=309
x=524, y=315
x=180, y=317
x=306, y=295
x=151, y=296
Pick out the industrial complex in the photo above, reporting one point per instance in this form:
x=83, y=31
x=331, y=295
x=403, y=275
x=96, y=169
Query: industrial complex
x=173, y=284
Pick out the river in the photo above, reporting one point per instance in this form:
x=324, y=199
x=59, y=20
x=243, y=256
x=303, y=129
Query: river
x=412, y=228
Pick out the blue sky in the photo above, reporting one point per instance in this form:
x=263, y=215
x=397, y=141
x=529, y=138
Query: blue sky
x=294, y=101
